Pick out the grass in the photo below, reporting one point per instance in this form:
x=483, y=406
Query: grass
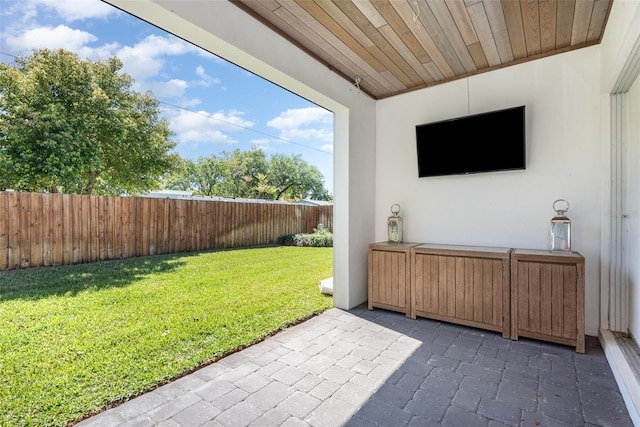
x=75, y=338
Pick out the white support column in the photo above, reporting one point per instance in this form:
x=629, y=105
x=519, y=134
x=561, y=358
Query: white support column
x=616, y=234
x=618, y=307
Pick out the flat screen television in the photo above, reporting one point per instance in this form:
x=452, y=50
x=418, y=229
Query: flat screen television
x=487, y=142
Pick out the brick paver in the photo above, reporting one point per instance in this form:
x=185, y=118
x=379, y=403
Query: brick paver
x=367, y=368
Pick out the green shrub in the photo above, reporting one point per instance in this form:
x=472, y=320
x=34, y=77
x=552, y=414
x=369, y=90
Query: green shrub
x=319, y=238
x=287, y=240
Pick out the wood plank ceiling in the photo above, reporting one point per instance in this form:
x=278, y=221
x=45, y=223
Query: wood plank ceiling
x=397, y=46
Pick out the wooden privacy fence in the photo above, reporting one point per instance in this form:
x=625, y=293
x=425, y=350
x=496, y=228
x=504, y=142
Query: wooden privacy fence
x=39, y=229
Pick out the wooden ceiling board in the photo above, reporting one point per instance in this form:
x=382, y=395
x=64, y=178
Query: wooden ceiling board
x=346, y=20
x=389, y=76
x=483, y=29
x=547, y=25
x=565, y=10
x=477, y=53
x=308, y=39
x=531, y=23
x=319, y=18
x=498, y=24
x=598, y=17
x=404, y=10
x=396, y=46
x=515, y=28
x=407, y=55
x=461, y=17
x=386, y=50
x=443, y=16
x=581, y=20
x=328, y=29
x=432, y=26
x=372, y=14
x=333, y=54
x=433, y=69
x=402, y=30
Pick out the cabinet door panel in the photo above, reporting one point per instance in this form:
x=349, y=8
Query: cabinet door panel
x=460, y=287
x=557, y=302
x=569, y=286
x=390, y=278
x=547, y=299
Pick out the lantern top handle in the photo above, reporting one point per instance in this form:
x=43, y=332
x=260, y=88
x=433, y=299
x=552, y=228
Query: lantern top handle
x=395, y=209
x=561, y=211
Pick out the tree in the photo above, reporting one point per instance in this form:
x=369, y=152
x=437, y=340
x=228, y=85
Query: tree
x=250, y=174
x=205, y=176
x=77, y=126
x=292, y=177
x=244, y=169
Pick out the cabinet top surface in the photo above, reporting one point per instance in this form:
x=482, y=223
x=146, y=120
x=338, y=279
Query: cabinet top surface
x=546, y=253
x=393, y=245
x=489, y=249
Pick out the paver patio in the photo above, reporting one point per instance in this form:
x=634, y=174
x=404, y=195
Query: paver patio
x=368, y=368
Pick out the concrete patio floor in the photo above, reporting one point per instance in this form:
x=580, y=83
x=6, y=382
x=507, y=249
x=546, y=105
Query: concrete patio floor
x=378, y=368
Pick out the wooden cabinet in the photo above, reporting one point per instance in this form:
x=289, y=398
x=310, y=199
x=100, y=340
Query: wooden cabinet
x=468, y=285
x=390, y=276
x=519, y=292
x=548, y=296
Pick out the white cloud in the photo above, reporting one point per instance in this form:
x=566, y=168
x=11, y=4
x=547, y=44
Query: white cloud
x=25, y=11
x=262, y=144
x=145, y=59
x=308, y=124
x=295, y=118
x=174, y=88
x=18, y=13
x=328, y=148
x=205, y=79
x=308, y=134
x=232, y=120
x=51, y=38
x=74, y=10
x=204, y=127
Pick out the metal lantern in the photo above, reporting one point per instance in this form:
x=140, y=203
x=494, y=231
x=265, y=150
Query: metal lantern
x=394, y=225
x=560, y=227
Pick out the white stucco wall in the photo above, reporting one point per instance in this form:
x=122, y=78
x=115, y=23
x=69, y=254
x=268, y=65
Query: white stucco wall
x=509, y=209
x=222, y=28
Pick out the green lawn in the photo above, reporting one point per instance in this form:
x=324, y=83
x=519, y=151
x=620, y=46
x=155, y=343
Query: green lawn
x=74, y=338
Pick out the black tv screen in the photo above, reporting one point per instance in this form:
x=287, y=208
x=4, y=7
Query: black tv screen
x=486, y=142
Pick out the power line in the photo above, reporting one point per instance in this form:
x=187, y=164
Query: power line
x=245, y=128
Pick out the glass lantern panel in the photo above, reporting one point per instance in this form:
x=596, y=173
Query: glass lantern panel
x=395, y=229
x=560, y=236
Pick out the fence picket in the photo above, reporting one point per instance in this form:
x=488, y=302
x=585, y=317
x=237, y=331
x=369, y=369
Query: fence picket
x=4, y=232
x=13, y=230
x=39, y=229
x=58, y=226
x=47, y=231
x=102, y=228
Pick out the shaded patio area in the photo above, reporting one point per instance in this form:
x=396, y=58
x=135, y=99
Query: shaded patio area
x=368, y=368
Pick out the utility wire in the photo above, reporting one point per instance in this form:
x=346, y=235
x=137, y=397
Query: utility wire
x=245, y=128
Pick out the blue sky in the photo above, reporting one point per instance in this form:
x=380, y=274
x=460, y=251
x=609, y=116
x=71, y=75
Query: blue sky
x=211, y=104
